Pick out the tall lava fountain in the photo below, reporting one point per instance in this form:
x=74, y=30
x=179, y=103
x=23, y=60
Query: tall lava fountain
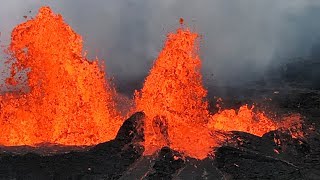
x=173, y=99
x=68, y=101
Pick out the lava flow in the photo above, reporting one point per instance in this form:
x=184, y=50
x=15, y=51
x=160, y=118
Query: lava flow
x=68, y=100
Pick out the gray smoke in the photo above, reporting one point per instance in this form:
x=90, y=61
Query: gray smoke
x=240, y=39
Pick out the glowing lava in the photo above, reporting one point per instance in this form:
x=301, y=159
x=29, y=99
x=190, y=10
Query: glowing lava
x=244, y=120
x=68, y=100
x=173, y=99
x=255, y=122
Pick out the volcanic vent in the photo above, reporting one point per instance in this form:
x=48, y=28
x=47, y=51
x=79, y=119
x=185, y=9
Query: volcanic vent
x=60, y=97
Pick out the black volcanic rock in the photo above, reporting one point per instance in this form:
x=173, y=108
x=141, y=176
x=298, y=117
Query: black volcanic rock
x=170, y=164
x=252, y=157
x=249, y=165
x=104, y=161
x=245, y=156
x=166, y=164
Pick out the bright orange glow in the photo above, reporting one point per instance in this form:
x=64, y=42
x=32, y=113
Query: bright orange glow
x=173, y=99
x=68, y=101
x=254, y=122
x=244, y=120
x=173, y=96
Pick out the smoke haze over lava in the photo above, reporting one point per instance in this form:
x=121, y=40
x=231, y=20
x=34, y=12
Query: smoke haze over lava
x=239, y=39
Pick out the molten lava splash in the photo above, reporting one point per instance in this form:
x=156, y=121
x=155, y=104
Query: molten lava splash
x=254, y=122
x=68, y=100
x=244, y=120
x=173, y=99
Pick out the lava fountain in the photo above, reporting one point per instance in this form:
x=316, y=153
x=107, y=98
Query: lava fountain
x=65, y=98
x=174, y=101
x=68, y=100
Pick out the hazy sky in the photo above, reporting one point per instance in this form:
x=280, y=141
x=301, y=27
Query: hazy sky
x=240, y=38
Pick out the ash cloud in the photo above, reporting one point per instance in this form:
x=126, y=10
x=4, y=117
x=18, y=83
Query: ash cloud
x=240, y=39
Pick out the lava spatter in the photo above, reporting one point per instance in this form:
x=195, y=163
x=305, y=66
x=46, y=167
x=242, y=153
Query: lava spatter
x=61, y=97
x=68, y=100
x=245, y=119
x=173, y=99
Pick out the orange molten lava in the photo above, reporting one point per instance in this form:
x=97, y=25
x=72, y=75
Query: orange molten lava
x=68, y=101
x=254, y=122
x=173, y=99
x=244, y=120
